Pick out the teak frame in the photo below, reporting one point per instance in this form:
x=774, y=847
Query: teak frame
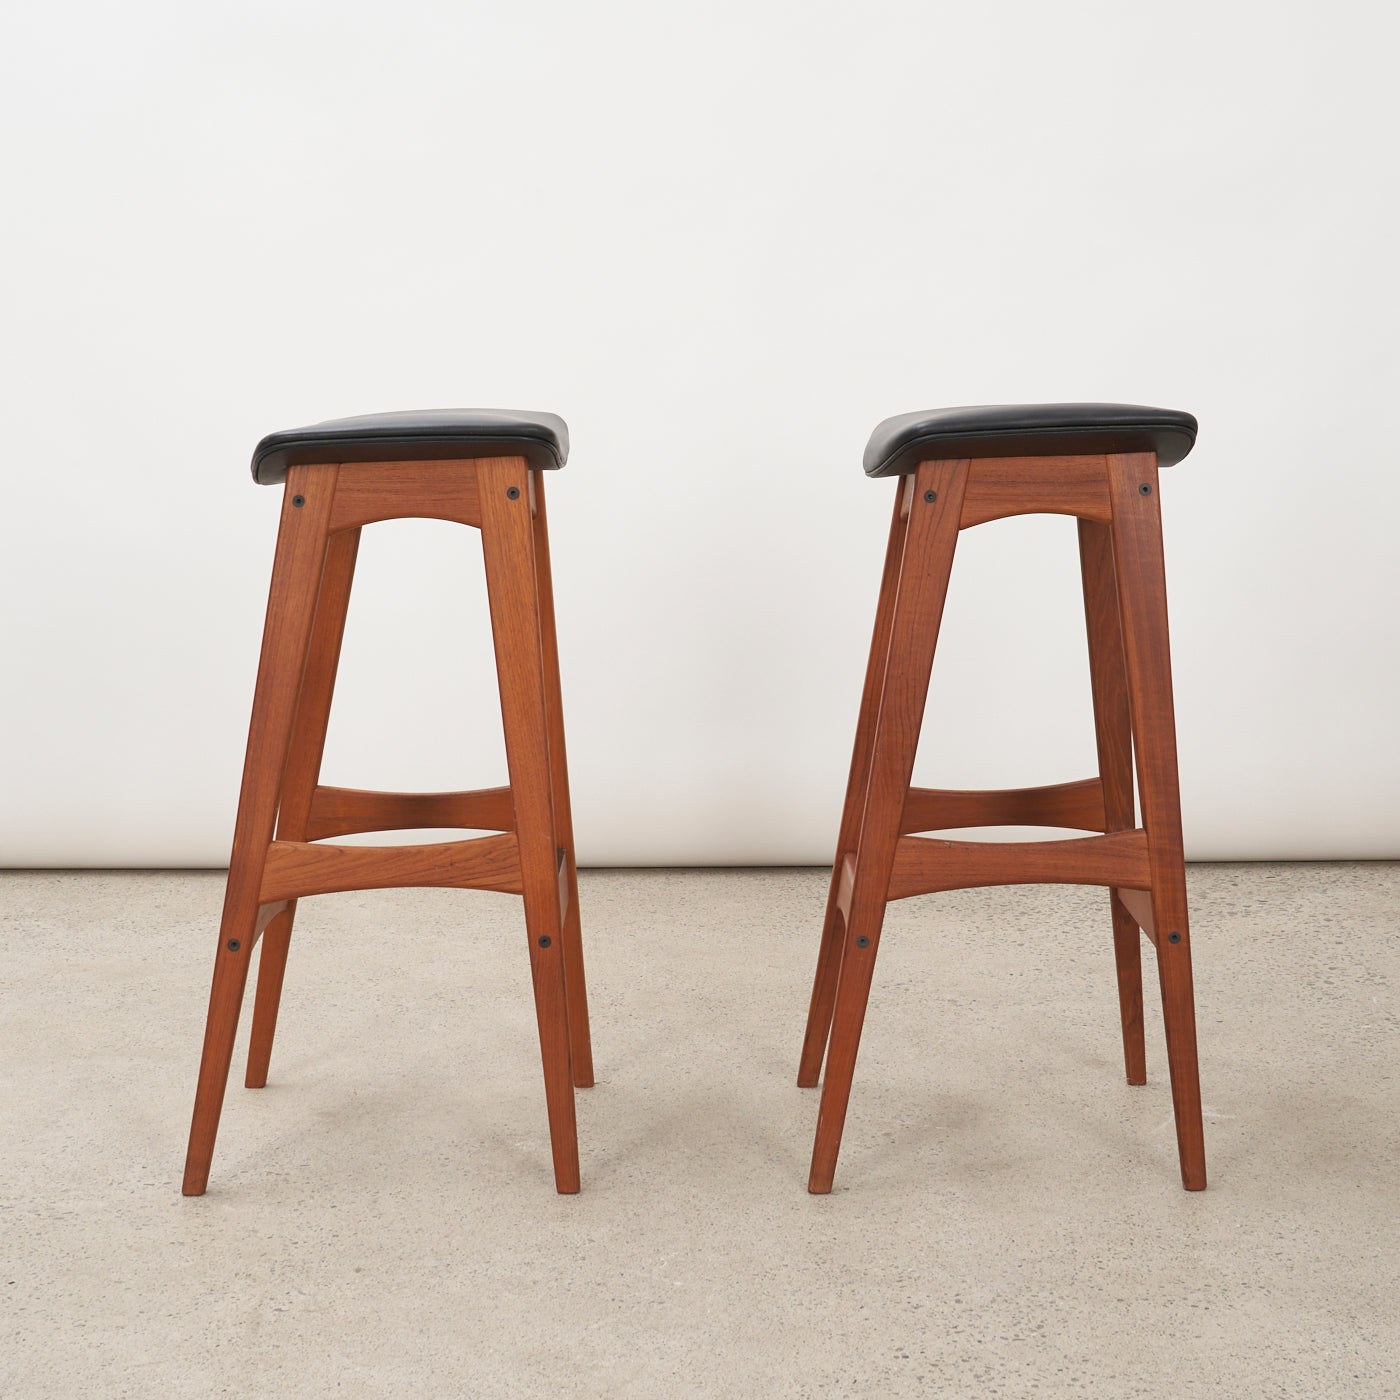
x=878, y=858
x=323, y=510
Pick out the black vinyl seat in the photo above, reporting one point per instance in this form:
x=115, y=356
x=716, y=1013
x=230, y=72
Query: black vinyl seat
x=898, y=445
x=417, y=435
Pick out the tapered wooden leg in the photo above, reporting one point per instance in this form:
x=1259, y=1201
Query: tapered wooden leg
x=1137, y=541
x=507, y=538
x=1113, y=731
x=1127, y=960
x=296, y=574
x=926, y=560
x=299, y=783
x=272, y=969
x=823, y=1001
x=833, y=927
x=580, y=1041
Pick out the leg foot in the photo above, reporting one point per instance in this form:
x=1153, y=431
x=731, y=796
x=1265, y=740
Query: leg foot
x=823, y=1003
x=852, y=994
x=225, y=1000
x=272, y=968
x=1179, y=1016
x=1127, y=952
x=551, y=1013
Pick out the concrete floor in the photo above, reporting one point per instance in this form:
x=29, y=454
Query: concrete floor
x=1007, y=1219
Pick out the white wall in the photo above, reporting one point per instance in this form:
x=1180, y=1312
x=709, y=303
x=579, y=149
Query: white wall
x=723, y=240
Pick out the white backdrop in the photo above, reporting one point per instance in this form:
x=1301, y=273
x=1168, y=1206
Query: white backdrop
x=723, y=240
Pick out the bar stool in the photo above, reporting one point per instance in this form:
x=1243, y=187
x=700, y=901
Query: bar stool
x=478, y=468
x=957, y=468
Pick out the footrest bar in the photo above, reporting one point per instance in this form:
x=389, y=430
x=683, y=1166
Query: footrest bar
x=923, y=865
x=1075, y=805
x=297, y=868
x=343, y=811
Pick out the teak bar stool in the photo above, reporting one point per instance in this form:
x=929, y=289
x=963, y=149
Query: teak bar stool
x=958, y=468
x=475, y=467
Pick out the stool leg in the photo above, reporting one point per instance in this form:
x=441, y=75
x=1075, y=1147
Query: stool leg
x=925, y=563
x=1127, y=958
x=1137, y=548
x=829, y=957
x=580, y=1042
x=507, y=538
x=1114, y=733
x=296, y=574
x=299, y=783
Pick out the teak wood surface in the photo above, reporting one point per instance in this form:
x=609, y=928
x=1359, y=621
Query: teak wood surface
x=299, y=784
x=925, y=866
x=919, y=589
x=343, y=811
x=1077, y=805
x=323, y=510
x=1001, y=486
x=878, y=858
x=1113, y=732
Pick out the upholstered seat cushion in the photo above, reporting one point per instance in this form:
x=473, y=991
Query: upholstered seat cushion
x=419, y=435
x=898, y=445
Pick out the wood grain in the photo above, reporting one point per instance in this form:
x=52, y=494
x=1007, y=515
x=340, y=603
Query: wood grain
x=1142, y=598
x=1075, y=805
x=299, y=782
x=923, y=865
x=1137, y=905
x=834, y=923
x=267, y=913
x=846, y=884
x=580, y=1035
x=345, y=811
x=370, y=491
x=926, y=560
x=508, y=541
x=1108, y=680
x=296, y=869
x=1001, y=486
x=296, y=574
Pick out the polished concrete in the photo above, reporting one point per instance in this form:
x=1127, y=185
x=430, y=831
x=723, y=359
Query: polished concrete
x=1007, y=1219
